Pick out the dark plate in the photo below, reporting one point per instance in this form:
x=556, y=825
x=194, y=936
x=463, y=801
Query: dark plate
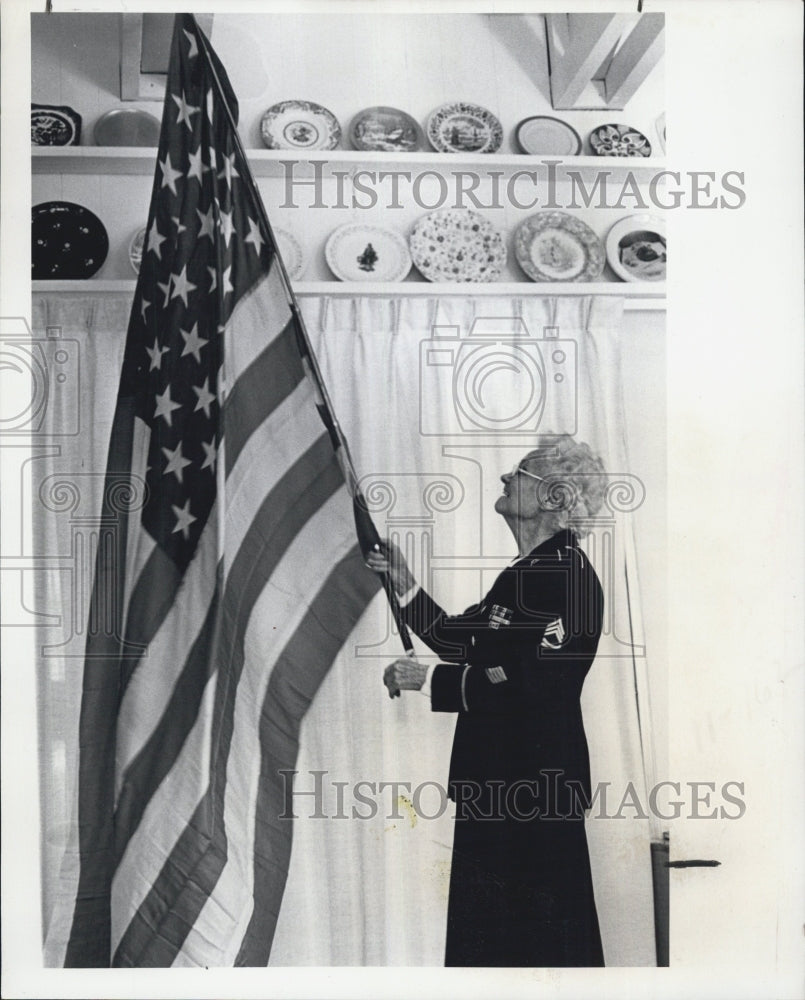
x=54, y=126
x=67, y=241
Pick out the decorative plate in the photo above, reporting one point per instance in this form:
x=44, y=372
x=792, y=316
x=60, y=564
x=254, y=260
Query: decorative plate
x=386, y=129
x=300, y=125
x=291, y=253
x=464, y=128
x=619, y=140
x=637, y=248
x=67, y=241
x=356, y=252
x=126, y=127
x=54, y=126
x=457, y=245
x=555, y=246
x=136, y=249
x=543, y=136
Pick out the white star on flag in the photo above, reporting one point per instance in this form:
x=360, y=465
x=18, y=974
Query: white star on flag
x=181, y=286
x=213, y=278
x=169, y=175
x=155, y=354
x=165, y=288
x=207, y=220
x=193, y=50
x=205, y=397
x=228, y=170
x=254, y=236
x=195, y=165
x=156, y=239
x=211, y=451
x=165, y=406
x=226, y=279
x=180, y=227
x=143, y=306
x=227, y=226
x=185, y=111
x=176, y=461
x=192, y=342
x=183, y=518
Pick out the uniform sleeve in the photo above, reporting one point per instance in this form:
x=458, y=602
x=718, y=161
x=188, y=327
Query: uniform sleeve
x=451, y=637
x=492, y=688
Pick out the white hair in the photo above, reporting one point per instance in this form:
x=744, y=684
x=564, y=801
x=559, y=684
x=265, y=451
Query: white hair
x=575, y=479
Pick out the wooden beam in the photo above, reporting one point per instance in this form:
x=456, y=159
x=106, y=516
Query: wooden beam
x=635, y=59
x=135, y=85
x=577, y=46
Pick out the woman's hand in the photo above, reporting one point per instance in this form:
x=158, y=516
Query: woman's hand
x=405, y=674
x=390, y=560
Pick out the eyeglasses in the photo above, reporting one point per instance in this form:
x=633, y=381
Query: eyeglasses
x=518, y=468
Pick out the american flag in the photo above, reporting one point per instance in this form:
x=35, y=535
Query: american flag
x=239, y=574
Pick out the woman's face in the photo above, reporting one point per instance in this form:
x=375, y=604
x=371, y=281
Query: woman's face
x=521, y=490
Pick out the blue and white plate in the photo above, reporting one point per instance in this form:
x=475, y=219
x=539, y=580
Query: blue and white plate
x=460, y=127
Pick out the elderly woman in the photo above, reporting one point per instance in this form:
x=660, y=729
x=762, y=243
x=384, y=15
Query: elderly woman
x=512, y=670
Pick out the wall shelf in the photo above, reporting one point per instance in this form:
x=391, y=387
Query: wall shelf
x=638, y=296
x=269, y=162
x=115, y=183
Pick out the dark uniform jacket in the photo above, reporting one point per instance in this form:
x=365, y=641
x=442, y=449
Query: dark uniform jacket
x=514, y=666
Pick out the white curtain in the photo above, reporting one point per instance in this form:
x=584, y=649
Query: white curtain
x=432, y=423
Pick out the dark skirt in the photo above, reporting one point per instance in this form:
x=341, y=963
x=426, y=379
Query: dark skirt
x=521, y=894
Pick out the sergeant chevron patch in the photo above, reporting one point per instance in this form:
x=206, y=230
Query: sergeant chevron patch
x=554, y=635
x=496, y=674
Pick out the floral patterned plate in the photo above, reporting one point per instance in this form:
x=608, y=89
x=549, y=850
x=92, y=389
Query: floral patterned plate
x=300, y=125
x=457, y=245
x=464, y=128
x=357, y=252
x=556, y=246
x=619, y=140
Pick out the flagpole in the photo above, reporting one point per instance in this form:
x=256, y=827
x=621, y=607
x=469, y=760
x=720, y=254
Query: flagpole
x=268, y=232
